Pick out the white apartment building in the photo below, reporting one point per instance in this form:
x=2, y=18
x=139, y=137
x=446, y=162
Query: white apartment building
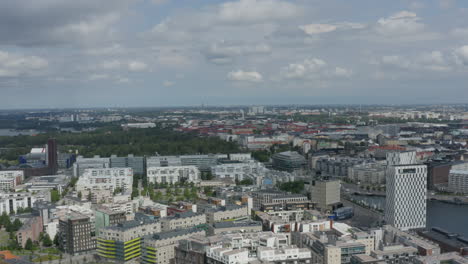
x=368, y=173
x=11, y=202
x=240, y=156
x=458, y=181
x=406, y=196
x=82, y=164
x=9, y=179
x=105, y=179
x=238, y=171
x=173, y=174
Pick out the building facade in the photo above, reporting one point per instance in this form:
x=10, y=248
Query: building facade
x=406, y=195
x=173, y=174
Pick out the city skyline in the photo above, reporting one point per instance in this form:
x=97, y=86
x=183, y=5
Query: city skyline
x=165, y=52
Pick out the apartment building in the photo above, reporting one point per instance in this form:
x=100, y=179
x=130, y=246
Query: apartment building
x=173, y=174
x=105, y=179
x=122, y=242
x=160, y=248
x=226, y=213
x=11, y=202
x=182, y=220
x=10, y=179
x=75, y=234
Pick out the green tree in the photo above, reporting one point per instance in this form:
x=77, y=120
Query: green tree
x=246, y=182
x=29, y=245
x=134, y=192
x=158, y=196
x=56, y=240
x=293, y=186
x=46, y=241
x=80, y=195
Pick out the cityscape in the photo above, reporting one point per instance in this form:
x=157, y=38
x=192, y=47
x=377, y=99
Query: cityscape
x=239, y=184
x=234, y=132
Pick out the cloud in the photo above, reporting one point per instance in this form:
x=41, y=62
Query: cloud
x=313, y=69
x=461, y=55
x=312, y=29
x=94, y=77
x=401, y=23
x=317, y=28
x=459, y=32
x=15, y=65
x=137, y=66
x=168, y=83
x=343, y=72
x=110, y=65
x=55, y=22
x=223, y=52
x=245, y=76
x=257, y=11
x=434, y=61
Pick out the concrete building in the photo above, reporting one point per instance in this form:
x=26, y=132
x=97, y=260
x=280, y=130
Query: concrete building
x=11, y=202
x=226, y=213
x=264, y=197
x=399, y=158
x=160, y=248
x=123, y=242
x=288, y=161
x=182, y=220
x=255, y=248
x=326, y=194
x=105, y=179
x=47, y=183
x=202, y=162
x=137, y=164
x=75, y=234
x=458, y=178
x=328, y=248
x=31, y=229
x=339, y=166
x=163, y=161
x=235, y=227
x=104, y=217
x=406, y=196
x=89, y=163
x=368, y=173
x=9, y=179
x=173, y=174
x=238, y=171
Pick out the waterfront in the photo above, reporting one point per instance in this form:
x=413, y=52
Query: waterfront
x=451, y=217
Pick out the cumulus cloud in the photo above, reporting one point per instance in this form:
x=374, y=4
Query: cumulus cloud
x=401, y=23
x=14, y=65
x=434, y=61
x=137, y=66
x=252, y=11
x=313, y=69
x=461, y=55
x=312, y=29
x=245, y=76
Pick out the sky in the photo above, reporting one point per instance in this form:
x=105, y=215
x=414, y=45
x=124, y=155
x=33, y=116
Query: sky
x=130, y=53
